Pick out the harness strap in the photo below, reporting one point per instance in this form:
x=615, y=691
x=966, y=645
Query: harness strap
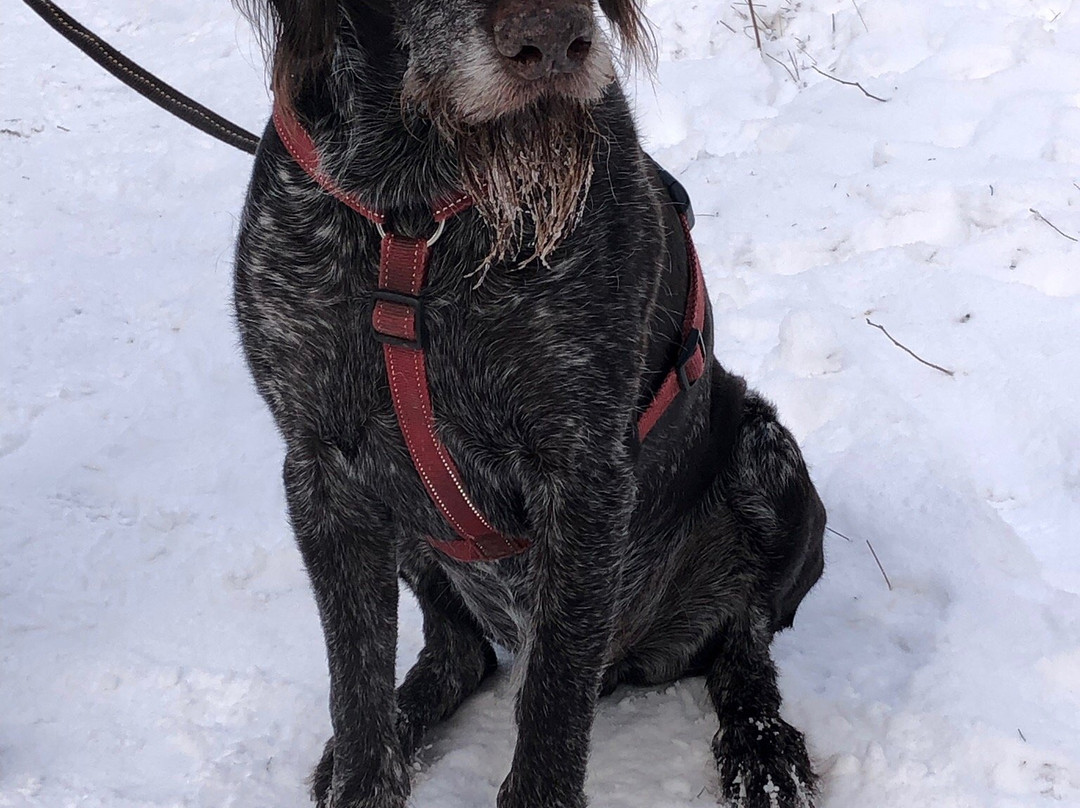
x=397, y=320
x=690, y=364
x=303, y=151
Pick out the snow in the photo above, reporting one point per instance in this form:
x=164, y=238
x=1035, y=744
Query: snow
x=158, y=641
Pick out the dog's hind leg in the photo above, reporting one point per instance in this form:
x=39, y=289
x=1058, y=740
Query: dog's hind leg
x=455, y=659
x=761, y=758
x=780, y=514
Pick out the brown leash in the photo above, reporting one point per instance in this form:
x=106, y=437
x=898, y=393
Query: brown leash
x=142, y=81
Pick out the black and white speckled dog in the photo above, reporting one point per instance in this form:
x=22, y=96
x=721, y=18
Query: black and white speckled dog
x=553, y=310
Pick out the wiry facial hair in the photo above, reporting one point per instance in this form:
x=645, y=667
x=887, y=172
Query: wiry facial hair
x=528, y=172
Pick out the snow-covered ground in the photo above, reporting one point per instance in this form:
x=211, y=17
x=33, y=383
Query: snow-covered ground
x=158, y=642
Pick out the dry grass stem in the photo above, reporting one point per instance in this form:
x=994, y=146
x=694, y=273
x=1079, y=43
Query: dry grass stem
x=861, y=18
x=753, y=19
x=1042, y=218
x=865, y=92
x=838, y=533
x=903, y=347
x=884, y=575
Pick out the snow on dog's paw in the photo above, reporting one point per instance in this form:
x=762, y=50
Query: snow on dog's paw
x=763, y=764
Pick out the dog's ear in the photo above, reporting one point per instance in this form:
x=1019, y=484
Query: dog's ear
x=298, y=37
x=630, y=23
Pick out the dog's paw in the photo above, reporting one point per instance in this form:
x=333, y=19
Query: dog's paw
x=542, y=791
x=763, y=764
x=343, y=791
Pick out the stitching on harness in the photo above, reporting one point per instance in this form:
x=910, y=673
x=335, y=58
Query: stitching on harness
x=390, y=356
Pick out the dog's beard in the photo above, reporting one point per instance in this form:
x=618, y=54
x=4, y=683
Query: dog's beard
x=528, y=173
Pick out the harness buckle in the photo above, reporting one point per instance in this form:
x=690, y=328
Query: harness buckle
x=693, y=343
x=440, y=226
x=415, y=306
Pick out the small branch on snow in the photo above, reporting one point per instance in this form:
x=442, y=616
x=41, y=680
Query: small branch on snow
x=1042, y=218
x=753, y=19
x=1022, y=738
x=903, y=347
x=838, y=533
x=878, y=560
x=850, y=84
x=794, y=78
x=861, y=18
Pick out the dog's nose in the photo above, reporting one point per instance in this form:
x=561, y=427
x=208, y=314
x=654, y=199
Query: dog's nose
x=539, y=39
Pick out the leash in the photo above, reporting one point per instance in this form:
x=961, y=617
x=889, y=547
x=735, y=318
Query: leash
x=142, y=81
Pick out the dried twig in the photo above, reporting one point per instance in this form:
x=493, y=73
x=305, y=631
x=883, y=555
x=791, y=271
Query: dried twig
x=753, y=19
x=903, y=347
x=1042, y=218
x=728, y=27
x=794, y=78
x=803, y=49
x=850, y=84
x=838, y=533
x=861, y=18
x=1022, y=738
x=878, y=560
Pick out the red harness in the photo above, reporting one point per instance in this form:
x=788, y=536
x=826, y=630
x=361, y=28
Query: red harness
x=396, y=319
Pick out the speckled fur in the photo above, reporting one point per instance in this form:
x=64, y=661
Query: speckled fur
x=679, y=557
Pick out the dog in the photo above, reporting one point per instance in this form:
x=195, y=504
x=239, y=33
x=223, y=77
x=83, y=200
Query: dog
x=557, y=290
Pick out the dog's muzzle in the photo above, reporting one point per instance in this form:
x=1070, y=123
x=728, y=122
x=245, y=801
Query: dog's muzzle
x=537, y=40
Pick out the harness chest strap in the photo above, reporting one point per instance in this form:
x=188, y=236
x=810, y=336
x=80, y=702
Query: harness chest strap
x=398, y=323
x=397, y=320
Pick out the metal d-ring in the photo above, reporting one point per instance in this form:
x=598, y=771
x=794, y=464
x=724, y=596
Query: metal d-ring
x=440, y=226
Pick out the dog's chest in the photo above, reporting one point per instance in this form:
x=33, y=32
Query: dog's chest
x=516, y=361
x=499, y=597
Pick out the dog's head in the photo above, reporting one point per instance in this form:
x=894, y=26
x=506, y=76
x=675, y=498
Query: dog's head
x=510, y=84
x=474, y=61
x=470, y=61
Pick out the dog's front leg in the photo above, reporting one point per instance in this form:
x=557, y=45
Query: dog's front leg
x=347, y=543
x=576, y=578
x=454, y=660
